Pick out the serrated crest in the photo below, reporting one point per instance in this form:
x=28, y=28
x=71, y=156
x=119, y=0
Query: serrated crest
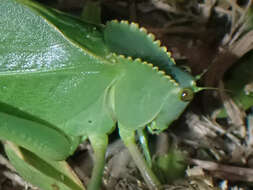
x=151, y=36
x=130, y=60
x=140, y=45
x=129, y=39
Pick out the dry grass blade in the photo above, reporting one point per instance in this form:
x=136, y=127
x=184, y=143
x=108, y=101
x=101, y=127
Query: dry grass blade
x=222, y=171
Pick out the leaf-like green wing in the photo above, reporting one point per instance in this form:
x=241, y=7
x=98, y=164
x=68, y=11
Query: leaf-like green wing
x=31, y=40
x=51, y=64
x=87, y=36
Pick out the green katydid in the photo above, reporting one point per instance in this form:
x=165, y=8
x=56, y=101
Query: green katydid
x=62, y=79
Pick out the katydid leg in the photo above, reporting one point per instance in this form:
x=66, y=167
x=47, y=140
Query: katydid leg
x=45, y=174
x=128, y=136
x=48, y=142
x=143, y=139
x=99, y=145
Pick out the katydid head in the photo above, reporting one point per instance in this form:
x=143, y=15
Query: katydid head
x=176, y=101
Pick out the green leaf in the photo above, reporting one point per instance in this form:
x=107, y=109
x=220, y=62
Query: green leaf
x=239, y=82
x=170, y=166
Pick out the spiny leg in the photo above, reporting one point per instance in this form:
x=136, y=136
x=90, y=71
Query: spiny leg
x=128, y=136
x=48, y=141
x=44, y=173
x=143, y=139
x=99, y=145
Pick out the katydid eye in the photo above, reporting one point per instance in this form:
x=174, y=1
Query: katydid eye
x=187, y=94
